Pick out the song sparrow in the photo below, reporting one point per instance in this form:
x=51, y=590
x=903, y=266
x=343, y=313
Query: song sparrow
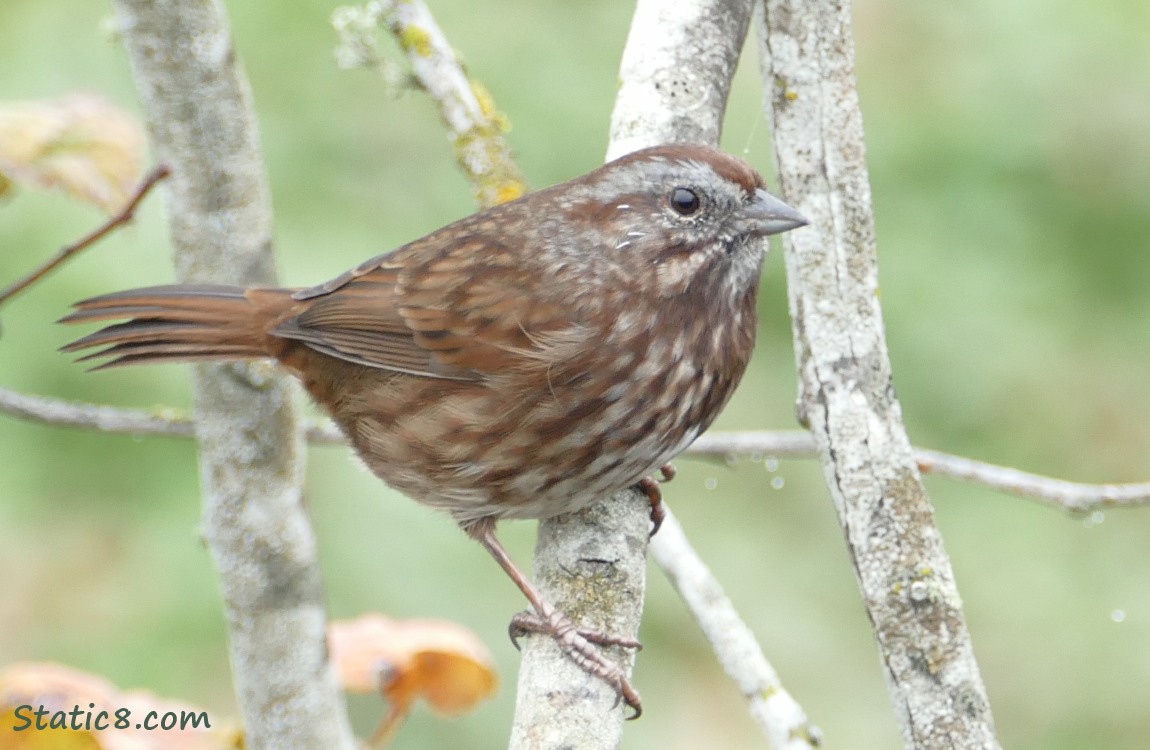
x=517, y=363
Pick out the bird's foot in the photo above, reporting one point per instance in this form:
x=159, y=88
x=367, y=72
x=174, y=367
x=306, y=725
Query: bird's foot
x=583, y=648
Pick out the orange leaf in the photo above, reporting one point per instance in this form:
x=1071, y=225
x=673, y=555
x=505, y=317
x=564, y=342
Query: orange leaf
x=436, y=660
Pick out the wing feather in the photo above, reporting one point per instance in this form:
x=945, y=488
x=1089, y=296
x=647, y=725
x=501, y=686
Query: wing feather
x=456, y=309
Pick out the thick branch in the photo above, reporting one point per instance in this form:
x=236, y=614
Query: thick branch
x=846, y=396
x=199, y=111
x=675, y=75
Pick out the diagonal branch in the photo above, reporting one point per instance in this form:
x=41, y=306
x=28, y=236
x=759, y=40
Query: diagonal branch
x=845, y=394
x=123, y=216
x=777, y=713
x=475, y=126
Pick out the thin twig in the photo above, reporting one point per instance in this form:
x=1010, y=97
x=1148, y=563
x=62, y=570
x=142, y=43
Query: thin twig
x=163, y=422
x=123, y=217
x=160, y=422
x=781, y=718
x=475, y=125
x=1076, y=497
x=774, y=443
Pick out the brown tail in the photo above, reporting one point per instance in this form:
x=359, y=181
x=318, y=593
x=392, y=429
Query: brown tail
x=179, y=323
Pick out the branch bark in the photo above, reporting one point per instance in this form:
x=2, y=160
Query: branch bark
x=846, y=395
x=200, y=115
x=675, y=73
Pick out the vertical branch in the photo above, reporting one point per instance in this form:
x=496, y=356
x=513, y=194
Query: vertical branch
x=676, y=73
x=846, y=394
x=200, y=114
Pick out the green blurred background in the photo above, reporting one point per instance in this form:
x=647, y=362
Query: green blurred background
x=1010, y=158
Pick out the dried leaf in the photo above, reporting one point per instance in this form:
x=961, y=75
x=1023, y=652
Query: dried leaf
x=80, y=144
x=436, y=660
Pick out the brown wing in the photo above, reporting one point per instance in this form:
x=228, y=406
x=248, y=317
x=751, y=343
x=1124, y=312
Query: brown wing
x=457, y=310
x=354, y=317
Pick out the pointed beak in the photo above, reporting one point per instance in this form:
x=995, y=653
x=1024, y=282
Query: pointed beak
x=766, y=214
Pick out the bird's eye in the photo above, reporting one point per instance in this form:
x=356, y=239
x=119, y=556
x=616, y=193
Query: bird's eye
x=684, y=201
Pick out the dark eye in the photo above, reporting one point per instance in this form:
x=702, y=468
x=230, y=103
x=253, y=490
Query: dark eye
x=684, y=201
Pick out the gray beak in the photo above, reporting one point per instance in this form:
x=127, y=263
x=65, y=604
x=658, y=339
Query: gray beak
x=766, y=214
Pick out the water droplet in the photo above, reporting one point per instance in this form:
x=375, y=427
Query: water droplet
x=778, y=483
x=1118, y=615
x=710, y=483
x=1097, y=517
x=730, y=459
x=772, y=463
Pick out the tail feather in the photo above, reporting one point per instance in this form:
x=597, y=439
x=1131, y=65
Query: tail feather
x=179, y=323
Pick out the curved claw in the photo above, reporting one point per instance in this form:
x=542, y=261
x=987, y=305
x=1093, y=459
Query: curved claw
x=515, y=630
x=581, y=646
x=649, y=487
x=634, y=702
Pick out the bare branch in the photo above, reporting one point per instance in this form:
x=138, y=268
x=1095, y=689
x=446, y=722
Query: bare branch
x=846, y=397
x=125, y=215
x=776, y=443
x=160, y=422
x=675, y=75
x=1076, y=497
x=202, y=122
x=780, y=717
x=475, y=126
x=165, y=422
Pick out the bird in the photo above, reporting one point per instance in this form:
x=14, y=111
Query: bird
x=517, y=363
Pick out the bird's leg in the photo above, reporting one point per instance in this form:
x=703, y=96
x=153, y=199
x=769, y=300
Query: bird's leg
x=649, y=486
x=581, y=646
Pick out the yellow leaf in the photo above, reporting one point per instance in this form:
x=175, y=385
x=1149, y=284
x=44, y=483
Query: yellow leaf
x=18, y=732
x=80, y=144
